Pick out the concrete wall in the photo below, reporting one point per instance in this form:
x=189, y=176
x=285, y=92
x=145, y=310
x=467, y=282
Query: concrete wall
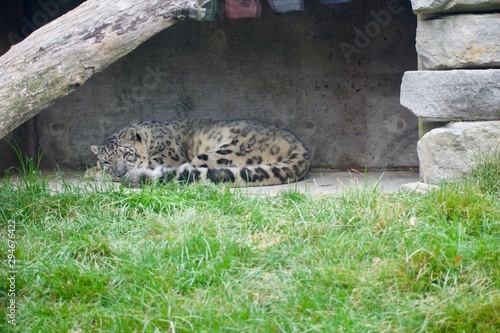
x=330, y=75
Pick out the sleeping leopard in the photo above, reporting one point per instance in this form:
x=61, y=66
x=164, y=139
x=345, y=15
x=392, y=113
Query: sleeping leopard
x=241, y=152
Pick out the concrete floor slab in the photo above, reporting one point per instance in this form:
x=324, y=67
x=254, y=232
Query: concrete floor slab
x=318, y=182
x=328, y=182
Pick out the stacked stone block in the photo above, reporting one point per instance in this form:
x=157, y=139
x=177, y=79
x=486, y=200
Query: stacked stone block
x=458, y=43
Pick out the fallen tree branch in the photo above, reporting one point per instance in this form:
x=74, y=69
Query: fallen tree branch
x=60, y=56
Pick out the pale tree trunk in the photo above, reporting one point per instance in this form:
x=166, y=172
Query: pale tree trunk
x=60, y=56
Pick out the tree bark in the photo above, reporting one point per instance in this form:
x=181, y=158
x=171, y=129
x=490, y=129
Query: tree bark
x=60, y=56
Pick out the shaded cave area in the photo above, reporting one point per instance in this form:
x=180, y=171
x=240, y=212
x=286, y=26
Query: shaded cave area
x=330, y=74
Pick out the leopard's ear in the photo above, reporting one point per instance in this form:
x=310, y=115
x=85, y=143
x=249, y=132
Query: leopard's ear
x=130, y=134
x=95, y=149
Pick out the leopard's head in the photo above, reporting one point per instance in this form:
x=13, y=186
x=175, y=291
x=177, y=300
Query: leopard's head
x=119, y=153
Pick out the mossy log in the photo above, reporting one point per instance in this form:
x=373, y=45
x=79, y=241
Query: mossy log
x=60, y=56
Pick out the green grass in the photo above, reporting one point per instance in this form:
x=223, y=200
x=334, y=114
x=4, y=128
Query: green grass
x=206, y=259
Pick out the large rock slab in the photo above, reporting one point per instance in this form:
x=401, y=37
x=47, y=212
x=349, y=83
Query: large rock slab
x=459, y=41
x=443, y=6
x=451, y=151
x=452, y=95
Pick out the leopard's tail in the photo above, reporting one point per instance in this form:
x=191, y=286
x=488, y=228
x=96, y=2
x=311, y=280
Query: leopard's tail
x=289, y=170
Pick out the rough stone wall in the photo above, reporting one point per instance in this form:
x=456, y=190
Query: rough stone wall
x=331, y=75
x=458, y=43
